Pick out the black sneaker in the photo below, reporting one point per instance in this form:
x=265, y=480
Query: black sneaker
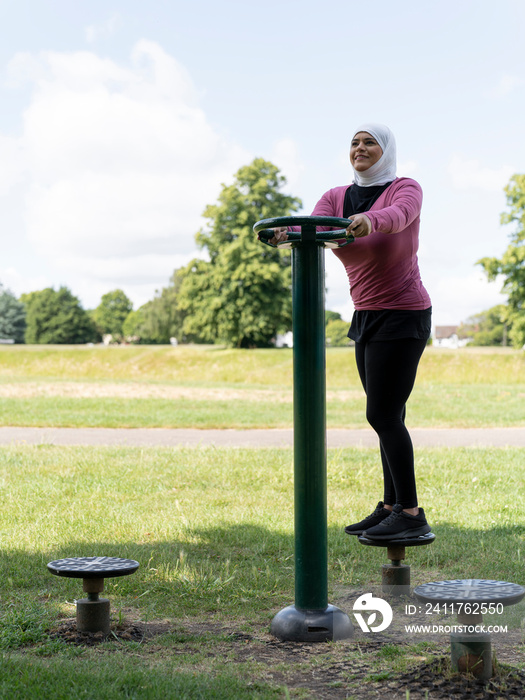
x=379, y=514
x=399, y=525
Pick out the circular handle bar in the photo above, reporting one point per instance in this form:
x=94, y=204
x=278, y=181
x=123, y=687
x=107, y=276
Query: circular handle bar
x=330, y=239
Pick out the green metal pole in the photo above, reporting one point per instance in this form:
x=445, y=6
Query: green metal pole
x=311, y=618
x=311, y=557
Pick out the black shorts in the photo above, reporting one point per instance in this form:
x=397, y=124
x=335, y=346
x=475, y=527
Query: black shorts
x=390, y=324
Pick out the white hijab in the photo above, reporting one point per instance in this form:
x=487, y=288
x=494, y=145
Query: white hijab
x=385, y=169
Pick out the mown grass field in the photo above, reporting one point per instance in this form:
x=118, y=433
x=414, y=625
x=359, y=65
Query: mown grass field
x=209, y=387
x=213, y=528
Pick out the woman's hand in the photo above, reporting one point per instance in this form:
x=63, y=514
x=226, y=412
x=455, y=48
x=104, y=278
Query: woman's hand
x=279, y=235
x=360, y=227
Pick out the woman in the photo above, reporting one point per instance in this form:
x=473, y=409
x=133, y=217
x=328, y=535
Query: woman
x=392, y=319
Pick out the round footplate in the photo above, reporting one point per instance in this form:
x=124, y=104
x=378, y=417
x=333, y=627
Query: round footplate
x=395, y=577
x=470, y=650
x=471, y=590
x=93, y=567
x=399, y=542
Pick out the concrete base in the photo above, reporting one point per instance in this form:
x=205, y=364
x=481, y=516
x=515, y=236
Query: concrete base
x=291, y=624
x=93, y=615
x=472, y=653
x=395, y=579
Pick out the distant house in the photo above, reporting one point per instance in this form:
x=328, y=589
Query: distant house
x=284, y=340
x=447, y=337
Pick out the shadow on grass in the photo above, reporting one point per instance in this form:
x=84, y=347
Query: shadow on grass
x=207, y=571
x=239, y=574
x=248, y=570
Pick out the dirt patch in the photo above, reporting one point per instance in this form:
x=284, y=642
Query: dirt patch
x=434, y=680
x=321, y=671
x=136, y=390
x=124, y=632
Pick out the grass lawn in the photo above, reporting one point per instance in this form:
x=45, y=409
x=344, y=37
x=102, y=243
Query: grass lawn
x=213, y=532
x=213, y=528
x=209, y=387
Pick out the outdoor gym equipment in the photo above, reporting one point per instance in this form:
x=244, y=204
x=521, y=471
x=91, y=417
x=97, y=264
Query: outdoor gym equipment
x=311, y=618
x=93, y=612
x=395, y=577
x=470, y=650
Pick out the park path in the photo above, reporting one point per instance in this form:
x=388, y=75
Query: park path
x=165, y=437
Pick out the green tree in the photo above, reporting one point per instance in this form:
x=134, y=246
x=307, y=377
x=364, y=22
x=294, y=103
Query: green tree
x=57, y=317
x=486, y=328
x=12, y=316
x=337, y=333
x=111, y=313
x=512, y=263
x=240, y=295
x=331, y=316
x=160, y=319
x=132, y=326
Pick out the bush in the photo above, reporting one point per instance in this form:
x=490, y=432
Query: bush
x=337, y=334
x=56, y=317
x=12, y=317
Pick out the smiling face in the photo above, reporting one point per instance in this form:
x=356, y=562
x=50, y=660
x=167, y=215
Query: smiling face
x=364, y=151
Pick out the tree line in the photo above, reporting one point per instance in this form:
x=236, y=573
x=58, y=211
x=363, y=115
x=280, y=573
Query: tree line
x=240, y=293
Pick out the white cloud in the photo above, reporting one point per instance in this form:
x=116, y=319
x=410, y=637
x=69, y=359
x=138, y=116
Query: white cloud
x=472, y=174
x=104, y=30
x=337, y=287
x=456, y=298
x=139, y=277
x=407, y=168
x=18, y=283
x=507, y=84
x=118, y=163
x=142, y=269
x=11, y=163
x=285, y=154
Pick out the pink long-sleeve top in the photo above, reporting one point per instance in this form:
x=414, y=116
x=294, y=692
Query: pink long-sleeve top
x=382, y=268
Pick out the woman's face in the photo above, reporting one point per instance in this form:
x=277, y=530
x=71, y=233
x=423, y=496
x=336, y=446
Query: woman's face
x=364, y=151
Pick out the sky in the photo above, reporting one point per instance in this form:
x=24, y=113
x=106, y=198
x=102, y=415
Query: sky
x=121, y=119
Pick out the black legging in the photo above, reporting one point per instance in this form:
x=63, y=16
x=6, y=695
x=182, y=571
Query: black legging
x=388, y=371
